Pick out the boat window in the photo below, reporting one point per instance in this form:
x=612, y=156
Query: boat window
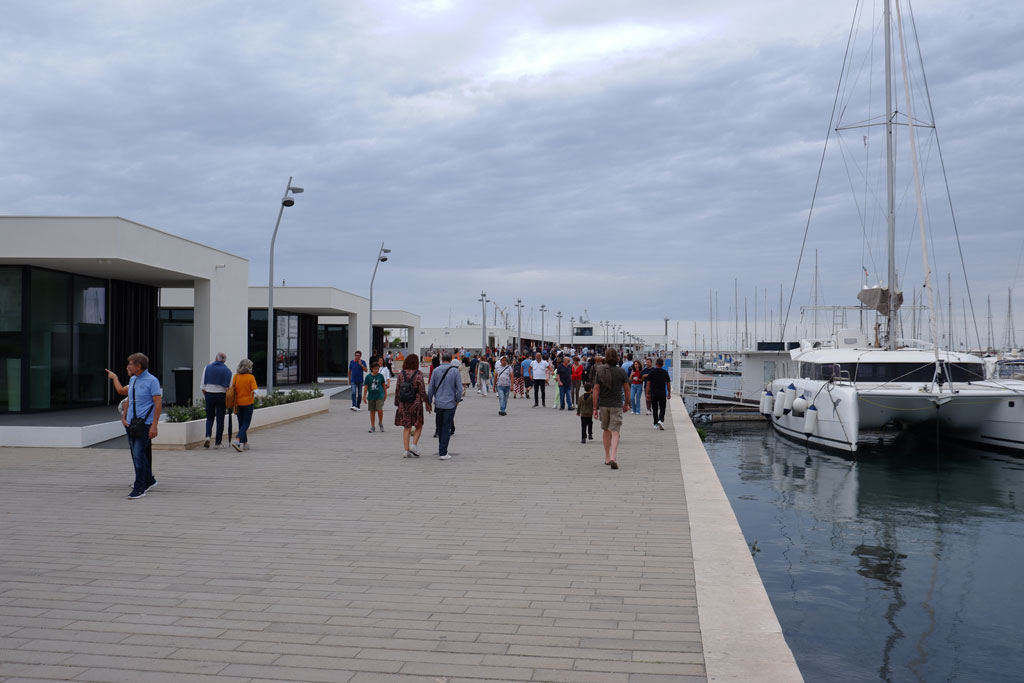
x=769, y=371
x=966, y=372
x=1011, y=370
x=895, y=372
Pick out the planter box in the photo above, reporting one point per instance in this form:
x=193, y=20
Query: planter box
x=182, y=435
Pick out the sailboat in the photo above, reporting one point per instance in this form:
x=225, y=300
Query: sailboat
x=845, y=390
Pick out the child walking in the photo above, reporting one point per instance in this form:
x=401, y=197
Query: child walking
x=585, y=409
x=375, y=390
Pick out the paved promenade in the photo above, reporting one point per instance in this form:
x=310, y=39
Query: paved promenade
x=323, y=555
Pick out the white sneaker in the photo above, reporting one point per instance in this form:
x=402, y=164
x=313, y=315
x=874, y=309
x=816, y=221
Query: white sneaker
x=237, y=446
x=220, y=445
x=656, y=426
x=406, y=454
x=649, y=412
x=245, y=446
x=661, y=426
x=444, y=457
x=353, y=408
x=413, y=448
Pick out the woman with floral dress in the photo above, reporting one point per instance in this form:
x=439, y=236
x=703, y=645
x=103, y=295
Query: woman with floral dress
x=409, y=415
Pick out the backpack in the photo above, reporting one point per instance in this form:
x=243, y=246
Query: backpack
x=407, y=389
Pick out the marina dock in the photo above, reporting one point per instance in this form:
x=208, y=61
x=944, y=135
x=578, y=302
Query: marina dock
x=323, y=555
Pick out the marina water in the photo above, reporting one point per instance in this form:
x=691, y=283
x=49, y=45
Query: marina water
x=900, y=564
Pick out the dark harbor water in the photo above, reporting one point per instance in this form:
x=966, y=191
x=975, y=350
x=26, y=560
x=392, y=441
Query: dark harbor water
x=894, y=566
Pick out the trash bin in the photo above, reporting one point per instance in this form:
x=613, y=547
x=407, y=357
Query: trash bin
x=183, y=386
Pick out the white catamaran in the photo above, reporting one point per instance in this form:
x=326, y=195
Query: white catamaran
x=846, y=390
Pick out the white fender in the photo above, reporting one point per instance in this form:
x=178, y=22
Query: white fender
x=810, y=420
x=799, y=405
x=767, y=398
x=777, y=408
x=790, y=396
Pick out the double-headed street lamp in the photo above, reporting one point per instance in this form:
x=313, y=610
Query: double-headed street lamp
x=519, y=329
x=271, y=327
x=543, y=309
x=381, y=258
x=483, y=305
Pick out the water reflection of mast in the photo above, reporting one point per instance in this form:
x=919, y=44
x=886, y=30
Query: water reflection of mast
x=882, y=563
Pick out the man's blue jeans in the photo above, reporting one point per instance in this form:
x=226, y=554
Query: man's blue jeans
x=140, y=459
x=503, y=398
x=445, y=418
x=357, y=393
x=565, y=396
x=215, y=408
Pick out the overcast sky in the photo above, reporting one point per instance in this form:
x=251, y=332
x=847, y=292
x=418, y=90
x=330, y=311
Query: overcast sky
x=619, y=157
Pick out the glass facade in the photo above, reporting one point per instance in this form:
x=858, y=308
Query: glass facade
x=332, y=350
x=53, y=339
x=287, y=345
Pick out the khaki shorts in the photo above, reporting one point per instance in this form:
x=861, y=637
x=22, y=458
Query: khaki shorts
x=611, y=418
x=374, y=405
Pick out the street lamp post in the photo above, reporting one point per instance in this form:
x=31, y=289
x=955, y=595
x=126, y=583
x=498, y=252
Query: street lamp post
x=271, y=327
x=572, y=328
x=559, y=316
x=543, y=309
x=483, y=305
x=519, y=328
x=381, y=258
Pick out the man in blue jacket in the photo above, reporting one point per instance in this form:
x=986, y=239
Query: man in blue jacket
x=216, y=380
x=145, y=403
x=445, y=392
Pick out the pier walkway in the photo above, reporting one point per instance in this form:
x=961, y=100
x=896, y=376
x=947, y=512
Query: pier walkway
x=323, y=555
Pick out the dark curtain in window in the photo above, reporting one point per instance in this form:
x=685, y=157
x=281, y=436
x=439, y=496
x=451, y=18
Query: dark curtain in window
x=133, y=325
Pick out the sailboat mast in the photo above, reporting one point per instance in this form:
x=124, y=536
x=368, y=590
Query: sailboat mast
x=890, y=165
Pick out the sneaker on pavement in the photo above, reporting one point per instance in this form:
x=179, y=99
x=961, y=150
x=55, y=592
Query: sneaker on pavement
x=153, y=485
x=216, y=446
x=371, y=430
x=444, y=457
x=406, y=454
x=414, y=449
x=237, y=446
x=136, y=494
x=353, y=408
x=661, y=426
x=382, y=428
x=206, y=444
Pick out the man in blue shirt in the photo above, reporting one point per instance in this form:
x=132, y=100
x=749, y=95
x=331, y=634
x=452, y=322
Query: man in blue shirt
x=145, y=400
x=216, y=380
x=444, y=392
x=356, y=370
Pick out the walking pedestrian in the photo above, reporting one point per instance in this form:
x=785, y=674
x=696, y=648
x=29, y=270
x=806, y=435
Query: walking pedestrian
x=445, y=392
x=659, y=390
x=636, y=386
x=540, y=371
x=375, y=392
x=526, y=363
x=483, y=377
x=410, y=400
x=645, y=372
x=503, y=383
x=564, y=379
x=585, y=409
x=216, y=380
x=474, y=363
x=245, y=401
x=356, y=372
x=140, y=419
x=611, y=392
x=577, y=379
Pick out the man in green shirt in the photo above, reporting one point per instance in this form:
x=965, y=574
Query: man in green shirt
x=611, y=392
x=375, y=391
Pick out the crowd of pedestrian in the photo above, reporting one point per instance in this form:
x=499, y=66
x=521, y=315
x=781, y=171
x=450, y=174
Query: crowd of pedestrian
x=599, y=386
x=596, y=386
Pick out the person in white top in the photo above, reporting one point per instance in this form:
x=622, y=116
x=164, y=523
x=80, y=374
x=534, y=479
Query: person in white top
x=540, y=369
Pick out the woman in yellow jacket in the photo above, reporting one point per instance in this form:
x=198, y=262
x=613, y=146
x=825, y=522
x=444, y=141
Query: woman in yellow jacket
x=244, y=385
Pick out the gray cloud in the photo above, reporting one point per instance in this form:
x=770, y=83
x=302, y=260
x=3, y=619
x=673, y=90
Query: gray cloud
x=622, y=159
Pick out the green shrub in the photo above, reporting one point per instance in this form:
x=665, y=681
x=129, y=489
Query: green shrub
x=185, y=413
